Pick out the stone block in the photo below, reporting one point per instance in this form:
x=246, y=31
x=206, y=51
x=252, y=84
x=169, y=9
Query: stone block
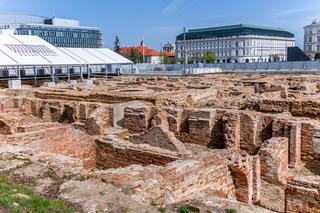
x=14, y=84
x=49, y=84
x=88, y=82
x=99, y=119
x=72, y=82
x=200, y=126
x=137, y=118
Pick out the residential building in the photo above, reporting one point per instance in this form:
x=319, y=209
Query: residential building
x=312, y=38
x=58, y=32
x=150, y=55
x=235, y=43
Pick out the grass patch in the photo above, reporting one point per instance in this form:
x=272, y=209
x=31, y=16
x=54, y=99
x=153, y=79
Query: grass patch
x=162, y=209
x=18, y=198
x=231, y=211
x=188, y=209
x=154, y=203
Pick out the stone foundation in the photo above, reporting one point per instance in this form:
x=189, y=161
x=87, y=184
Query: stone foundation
x=115, y=153
x=177, y=180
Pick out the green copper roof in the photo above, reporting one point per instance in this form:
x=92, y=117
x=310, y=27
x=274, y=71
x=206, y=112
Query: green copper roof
x=234, y=30
x=235, y=27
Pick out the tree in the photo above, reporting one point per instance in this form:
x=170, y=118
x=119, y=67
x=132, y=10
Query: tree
x=165, y=60
x=317, y=56
x=116, y=45
x=210, y=57
x=135, y=57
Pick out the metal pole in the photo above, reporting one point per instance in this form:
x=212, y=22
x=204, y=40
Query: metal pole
x=35, y=76
x=52, y=73
x=68, y=73
x=81, y=74
x=161, y=55
x=185, y=50
x=88, y=71
x=18, y=73
x=143, y=56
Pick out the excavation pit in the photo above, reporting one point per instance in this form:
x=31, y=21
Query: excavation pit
x=170, y=140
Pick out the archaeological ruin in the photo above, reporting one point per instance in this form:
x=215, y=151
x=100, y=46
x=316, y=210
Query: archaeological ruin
x=216, y=143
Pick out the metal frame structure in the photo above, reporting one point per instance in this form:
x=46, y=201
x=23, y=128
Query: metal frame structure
x=30, y=57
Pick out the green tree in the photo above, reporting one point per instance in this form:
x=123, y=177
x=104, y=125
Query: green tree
x=210, y=57
x=317, y=56
x=134, y=56
x=165, y=60
x=116, y=44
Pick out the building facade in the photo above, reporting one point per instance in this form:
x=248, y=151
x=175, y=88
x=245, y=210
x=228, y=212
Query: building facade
x=168, y=47
x=235, y=43
x=58, y=32
x=312, y=38
x=147, y=55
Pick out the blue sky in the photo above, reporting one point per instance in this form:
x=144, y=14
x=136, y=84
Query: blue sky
x=161, y=20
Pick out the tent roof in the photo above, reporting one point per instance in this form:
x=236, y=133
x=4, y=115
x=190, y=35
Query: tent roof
x=32, y=50
x=96, y=56
x=18, y=50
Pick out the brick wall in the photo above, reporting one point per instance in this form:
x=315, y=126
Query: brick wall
x=292, y=131
x=177, y=180
x=310, y=143
x=274, y=160
x=303, y=108
x=60, y=140
x=231, y=130
x=115, y=153
x=303, y=195
x=137, y=118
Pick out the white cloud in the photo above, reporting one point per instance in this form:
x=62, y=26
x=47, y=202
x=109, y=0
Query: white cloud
x=178, y=5
x=294, y=11
x=173, y=5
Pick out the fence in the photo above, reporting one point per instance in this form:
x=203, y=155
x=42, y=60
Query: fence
x=181, y=69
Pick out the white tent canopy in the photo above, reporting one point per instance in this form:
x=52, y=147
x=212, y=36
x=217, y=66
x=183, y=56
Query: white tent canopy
x=95, y=56
x=17, y=50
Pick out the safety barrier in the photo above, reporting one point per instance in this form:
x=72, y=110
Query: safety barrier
x=182, y=69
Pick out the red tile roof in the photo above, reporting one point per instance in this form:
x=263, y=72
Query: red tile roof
x=147, y=51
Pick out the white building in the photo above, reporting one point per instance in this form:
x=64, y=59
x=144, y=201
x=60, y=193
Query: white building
x=312, y=38
x=235, y=43
x=58, y=32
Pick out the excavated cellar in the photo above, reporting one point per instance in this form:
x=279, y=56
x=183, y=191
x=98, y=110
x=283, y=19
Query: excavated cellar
x=244, y=142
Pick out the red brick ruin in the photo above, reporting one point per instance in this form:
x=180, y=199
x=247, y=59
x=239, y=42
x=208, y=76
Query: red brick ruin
x=244, y=142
